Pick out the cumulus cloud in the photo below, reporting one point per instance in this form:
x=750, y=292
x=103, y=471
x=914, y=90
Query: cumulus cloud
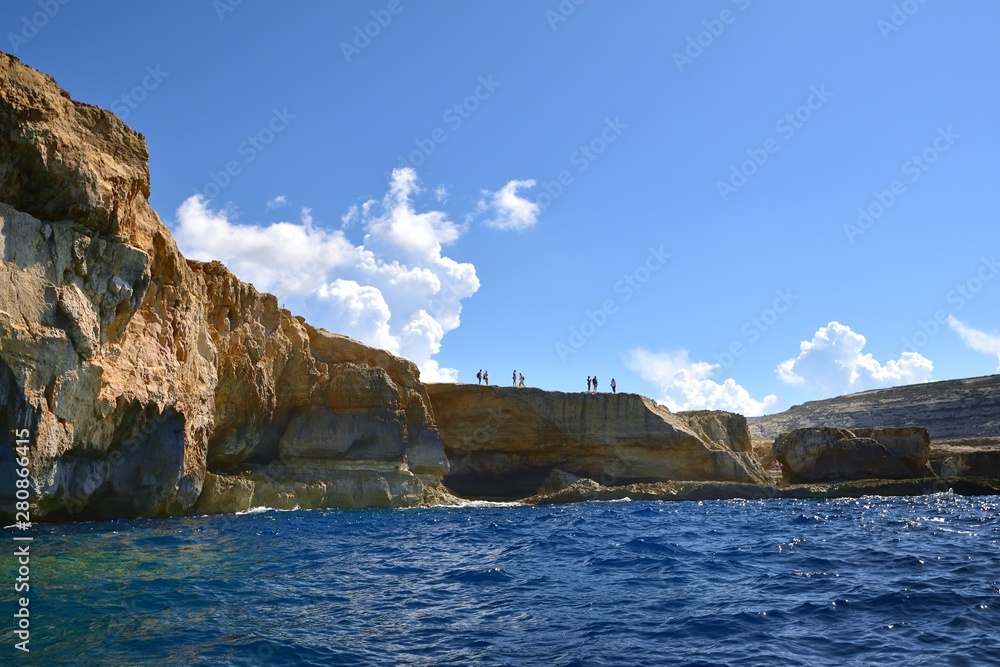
x=360, y=309
x=507, y=210
x=396, y=290
x=980, y=341
x=834, y=362
x=277, y=202
x=284, y=257
x=687, y=385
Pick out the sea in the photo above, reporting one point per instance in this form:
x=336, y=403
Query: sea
x=870, y=581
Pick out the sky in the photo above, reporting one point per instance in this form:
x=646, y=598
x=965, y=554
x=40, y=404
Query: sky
x=730, y=204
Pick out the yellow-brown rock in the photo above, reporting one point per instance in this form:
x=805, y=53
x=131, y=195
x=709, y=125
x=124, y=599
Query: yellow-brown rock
x=505, y=441
x=137, y=372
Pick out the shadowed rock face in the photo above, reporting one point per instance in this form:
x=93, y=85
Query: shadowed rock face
x=137, y=372
x=951, y=409
x=505, y=441
x=810, y=455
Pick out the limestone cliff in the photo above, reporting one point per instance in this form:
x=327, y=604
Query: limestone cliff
x=139, y=373
x=504, y=441
x=949, y=409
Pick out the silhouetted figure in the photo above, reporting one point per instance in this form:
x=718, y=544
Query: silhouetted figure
x=588, y=384
x=613, y=386
x=486, y=378
x=513, y=378
x=479, y=376
x=521, y=383
x=595, y=383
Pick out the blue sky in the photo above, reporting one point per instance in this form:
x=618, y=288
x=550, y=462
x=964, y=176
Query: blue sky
x=730, y=204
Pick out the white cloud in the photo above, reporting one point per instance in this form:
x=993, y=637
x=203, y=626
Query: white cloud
x=980, y=341
x=686, y=385
x=396, y=291
x=834, y=363
x=507, y=210
x=286, y=258
x=362, y=310
x=277, y=202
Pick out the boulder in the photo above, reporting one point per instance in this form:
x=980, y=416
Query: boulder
x=823, y=454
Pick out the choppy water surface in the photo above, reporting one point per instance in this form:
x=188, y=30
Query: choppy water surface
x=908, y=581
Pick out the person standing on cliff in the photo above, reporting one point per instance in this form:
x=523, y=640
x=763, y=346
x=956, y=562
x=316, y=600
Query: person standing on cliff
x=486, y=378
x=513, y=378
x=521, y=383
x=479, y=376
x=595, y=383
x=613, y=386
x=588, y=384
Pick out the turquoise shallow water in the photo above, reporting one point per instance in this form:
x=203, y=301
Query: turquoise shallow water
x=879, y=581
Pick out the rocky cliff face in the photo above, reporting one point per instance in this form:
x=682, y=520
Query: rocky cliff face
x=138, y=373
x=505, y=441
x=951, y=409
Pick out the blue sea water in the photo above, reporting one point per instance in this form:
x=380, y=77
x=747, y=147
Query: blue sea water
x=874, y=581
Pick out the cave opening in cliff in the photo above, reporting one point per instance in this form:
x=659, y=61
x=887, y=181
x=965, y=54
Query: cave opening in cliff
x=143, y=466
x=499, y=486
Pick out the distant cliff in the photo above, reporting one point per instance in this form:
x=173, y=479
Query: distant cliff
x=140, y=375
x=504, y=441
x=948, y=410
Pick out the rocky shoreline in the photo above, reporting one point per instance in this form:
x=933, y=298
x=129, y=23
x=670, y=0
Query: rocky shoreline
x=151, y=386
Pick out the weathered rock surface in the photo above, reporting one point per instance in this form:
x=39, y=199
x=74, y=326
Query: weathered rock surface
x=809, y=455
x=950, y=409
x=503, y=442
x=314, y=483
x=137, y=372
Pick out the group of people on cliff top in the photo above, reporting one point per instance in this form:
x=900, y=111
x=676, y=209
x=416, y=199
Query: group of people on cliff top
x=516, y=380
x=592, y=381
